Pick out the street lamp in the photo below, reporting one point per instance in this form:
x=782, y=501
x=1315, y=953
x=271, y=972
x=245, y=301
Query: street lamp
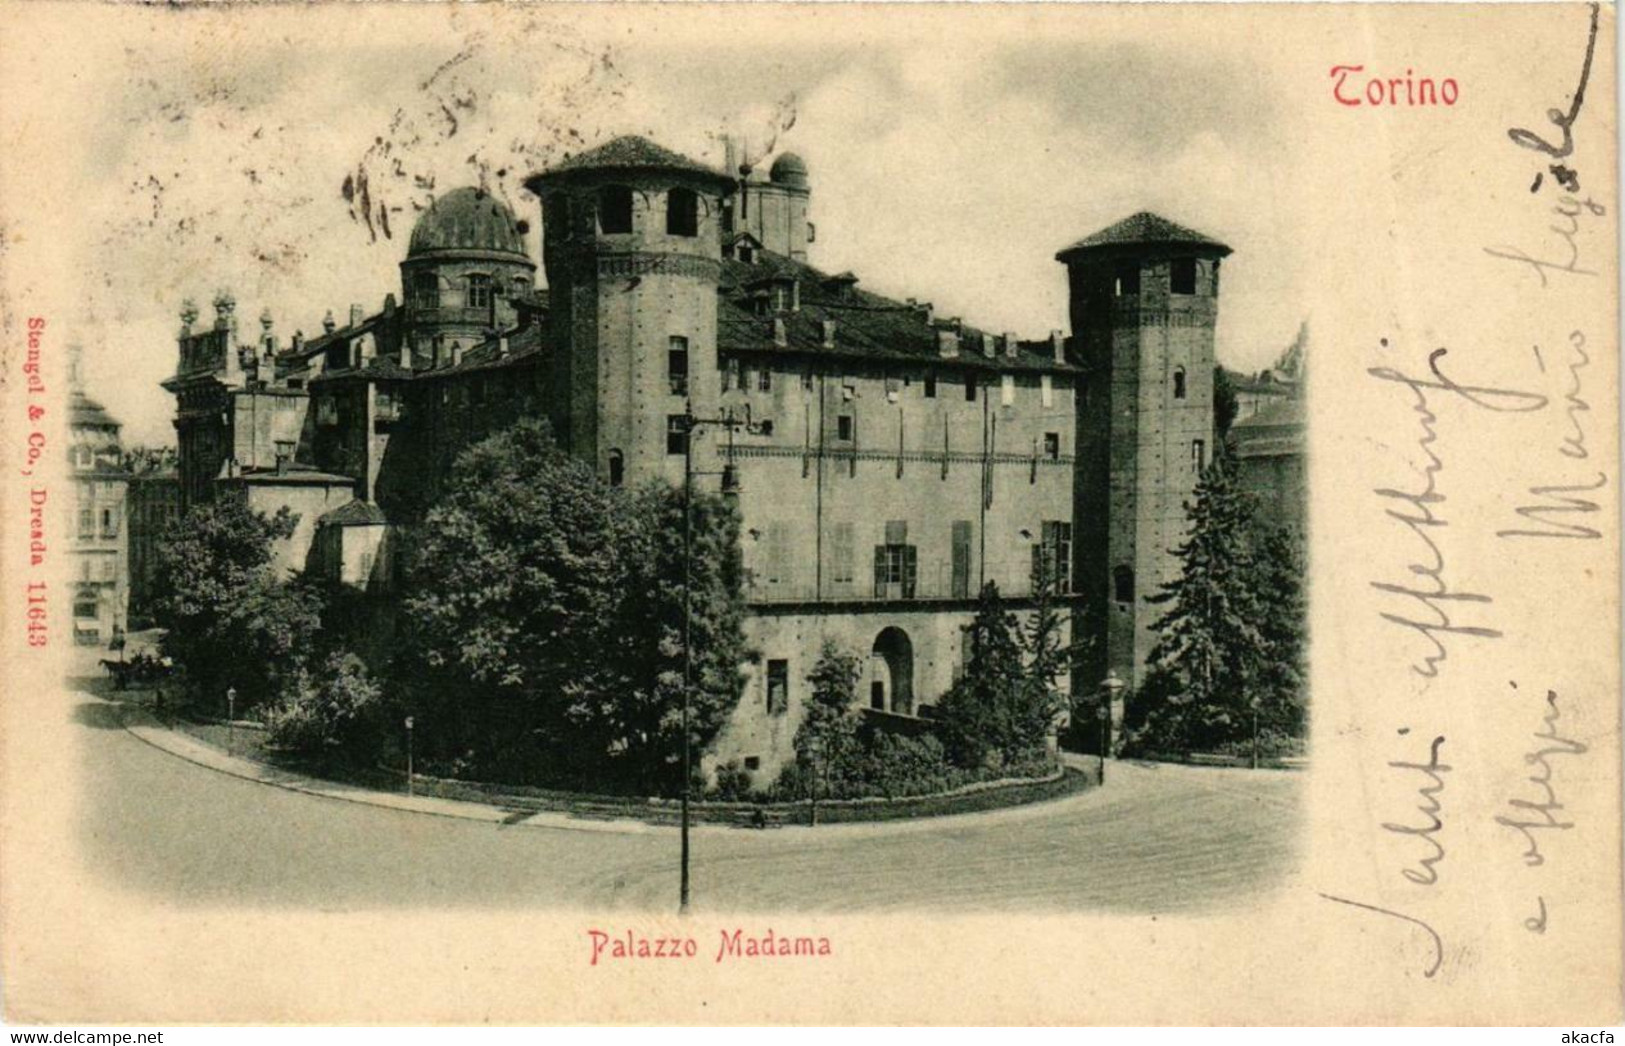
x=1254, y=704
x=1110, y=687
x=730, y=485
x=408, y=755
x=231, y=720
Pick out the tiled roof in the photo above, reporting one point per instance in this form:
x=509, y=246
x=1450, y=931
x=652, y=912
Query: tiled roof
x=487, y=355
x=1143, y=228
x=356, y=513
x=379, y=368
x=867, y=325
x=87, y=413
x=627, y=153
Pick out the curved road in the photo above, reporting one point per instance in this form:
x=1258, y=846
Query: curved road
x=1156, y=839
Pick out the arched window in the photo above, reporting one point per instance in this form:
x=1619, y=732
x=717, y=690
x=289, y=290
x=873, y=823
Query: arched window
x=682, y=213
x=1123, y=584
x=426, y=290
x=479, y=291
x=1179, y=383
x=614, y=209
x=617, y=468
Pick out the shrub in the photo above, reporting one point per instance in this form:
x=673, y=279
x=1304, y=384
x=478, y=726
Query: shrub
x=733, y=784
x=339, y=713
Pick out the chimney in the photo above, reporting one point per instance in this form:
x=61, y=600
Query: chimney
x=357, y=314
x=328, y=323
x=502, y=347
x=947, y=343
x=389, y=304
x=267, y=339
x=366, y=348
x=829, y=333
x=795, y=295
x=456, y=354
x=1057, y=344
x=298, y=340
x=781, y=337
x=284, y=456
x=990, y=347
x=1012, y=347
x=406, y=356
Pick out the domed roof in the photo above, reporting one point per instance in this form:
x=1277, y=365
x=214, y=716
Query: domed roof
x=789, y=169
x=467, y=219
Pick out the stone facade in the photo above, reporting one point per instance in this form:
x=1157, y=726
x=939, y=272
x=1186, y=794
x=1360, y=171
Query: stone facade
x=895, y=460
x=100, y=548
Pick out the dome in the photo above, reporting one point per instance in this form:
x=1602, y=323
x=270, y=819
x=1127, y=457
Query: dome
x=789, y=169
x=467, y=219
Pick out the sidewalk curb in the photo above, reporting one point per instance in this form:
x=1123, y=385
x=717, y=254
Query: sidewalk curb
x=140, y=724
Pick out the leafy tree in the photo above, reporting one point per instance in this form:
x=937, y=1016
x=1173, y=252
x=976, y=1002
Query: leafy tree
x=827, y=741
x=998, y=710
x=702, y=585
x=513, y=588
x=1211, y=652
x=545, y=620
x=229, y=621
x=338, y=711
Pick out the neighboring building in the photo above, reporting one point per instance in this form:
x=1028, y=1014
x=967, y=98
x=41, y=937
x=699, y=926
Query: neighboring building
x=100, y=550
x=1270, y=455
x=152, y=504
x=902, y=459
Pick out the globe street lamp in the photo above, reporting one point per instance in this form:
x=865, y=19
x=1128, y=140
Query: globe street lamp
x=1110, y=687
x=408, y=755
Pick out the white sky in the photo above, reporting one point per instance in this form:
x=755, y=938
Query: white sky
x=949, y=159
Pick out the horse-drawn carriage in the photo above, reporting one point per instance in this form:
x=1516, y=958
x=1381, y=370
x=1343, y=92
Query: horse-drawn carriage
x=141, y=671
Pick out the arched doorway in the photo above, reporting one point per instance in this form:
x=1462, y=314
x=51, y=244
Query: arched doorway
x=891, y=672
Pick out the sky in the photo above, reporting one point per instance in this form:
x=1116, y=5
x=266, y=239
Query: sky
x=948, y=160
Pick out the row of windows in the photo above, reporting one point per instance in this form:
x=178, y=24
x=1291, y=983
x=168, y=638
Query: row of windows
x=1182, y=273
x=109, y=521
x=615, y=211
x=477, y=289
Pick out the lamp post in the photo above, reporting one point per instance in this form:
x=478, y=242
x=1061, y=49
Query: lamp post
x=1254, y=703
x=730, y=485
x=231, y=720
x=1110, y=687
x=409, y=755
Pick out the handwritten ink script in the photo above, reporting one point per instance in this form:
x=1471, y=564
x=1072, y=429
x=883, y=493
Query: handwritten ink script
x=1530, y=818
x=1554, y=506
x=1564, y=121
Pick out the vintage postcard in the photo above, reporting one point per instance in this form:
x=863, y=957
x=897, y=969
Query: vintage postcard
x=810, y=514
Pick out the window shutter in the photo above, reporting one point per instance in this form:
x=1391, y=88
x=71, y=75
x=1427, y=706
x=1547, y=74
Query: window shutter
x=880, y=571
x=911, y=569
x=1038, y=565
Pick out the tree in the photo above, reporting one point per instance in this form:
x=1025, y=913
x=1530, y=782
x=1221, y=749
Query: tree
x=1210, y=653
x=512, y=589
x=340, y=711
x=701, y=584
x=999, y=710
x=1281, y=683
x=229, y=621
x=545, y=620
x=827, y=740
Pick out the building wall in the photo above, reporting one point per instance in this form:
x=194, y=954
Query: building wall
x=308, y=501
x=435, y=327
x=154, y=502
x=1144, y=443
x=618, y=300
x=756, y=731
x=776, y=215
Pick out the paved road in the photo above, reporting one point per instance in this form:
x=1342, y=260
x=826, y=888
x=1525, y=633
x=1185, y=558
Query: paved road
x=1156, y=839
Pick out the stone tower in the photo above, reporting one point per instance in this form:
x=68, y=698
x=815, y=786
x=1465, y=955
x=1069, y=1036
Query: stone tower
x=466, y=263
x=1144, y=298
x=631, y=242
